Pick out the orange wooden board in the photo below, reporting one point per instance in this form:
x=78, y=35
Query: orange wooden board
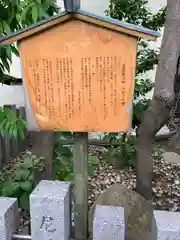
x=80, y=78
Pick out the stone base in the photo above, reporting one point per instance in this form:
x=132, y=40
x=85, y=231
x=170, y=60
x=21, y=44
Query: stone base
x=50, y=211
x=108, y=223
x=168, y=225
x=9, y=219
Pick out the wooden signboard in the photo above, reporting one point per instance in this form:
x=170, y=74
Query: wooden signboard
x=80, y=77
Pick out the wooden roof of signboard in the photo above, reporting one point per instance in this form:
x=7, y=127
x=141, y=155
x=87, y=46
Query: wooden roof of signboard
x=105, y=22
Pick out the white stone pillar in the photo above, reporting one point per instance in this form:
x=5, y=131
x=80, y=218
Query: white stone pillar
x=108, y=223
x=50, y=211
x=9, y=217
x=168, y=225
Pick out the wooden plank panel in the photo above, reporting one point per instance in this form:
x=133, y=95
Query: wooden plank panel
x=43, y=146
x=115, y=27
x=7, y=146
x=82, y=81
x=3, y=150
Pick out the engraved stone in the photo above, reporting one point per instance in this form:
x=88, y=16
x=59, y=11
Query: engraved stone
x=168, y=225
x=139, y=218
x=8, y=217
x=50, y=211
x=108, y=223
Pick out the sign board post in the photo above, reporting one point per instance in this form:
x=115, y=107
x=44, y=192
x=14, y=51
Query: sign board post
x=80, y=167
x=78, y=75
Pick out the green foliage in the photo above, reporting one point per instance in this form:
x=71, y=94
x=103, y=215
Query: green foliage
x=139, y=108
x=136, y=12
x=63, y=163
x=124, y=154
x=20, y=181
x=14, y=15
x=11, y=124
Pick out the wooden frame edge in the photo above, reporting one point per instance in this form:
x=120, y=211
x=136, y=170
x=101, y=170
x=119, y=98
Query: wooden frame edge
x=114, y=27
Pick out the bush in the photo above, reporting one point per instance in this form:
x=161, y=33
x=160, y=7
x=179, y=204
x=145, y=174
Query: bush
x=63, y=163
x=124, y=154
x=20, y=181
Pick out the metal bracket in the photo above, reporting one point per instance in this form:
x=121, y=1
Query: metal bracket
x=71, y=5
x=17, y=236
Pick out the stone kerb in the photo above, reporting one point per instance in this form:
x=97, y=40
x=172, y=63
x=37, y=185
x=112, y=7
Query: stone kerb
x=50, y=211
x=168, y=225
x=50, y=205
x=109, y=224
x=9, y=219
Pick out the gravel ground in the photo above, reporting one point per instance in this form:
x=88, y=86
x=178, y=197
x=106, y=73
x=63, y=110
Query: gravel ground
x=166, y=182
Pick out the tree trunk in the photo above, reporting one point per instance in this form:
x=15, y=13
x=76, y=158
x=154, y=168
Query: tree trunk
x=169, y=53
x=155, y=118
x=163, y=99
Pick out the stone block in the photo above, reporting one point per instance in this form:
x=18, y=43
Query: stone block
x=9, y=217
x=168, y=225
x=108, y=223
x=50, y=211
x=139, y=218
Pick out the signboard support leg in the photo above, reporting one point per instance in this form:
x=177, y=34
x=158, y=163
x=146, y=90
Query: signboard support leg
x=81, y=185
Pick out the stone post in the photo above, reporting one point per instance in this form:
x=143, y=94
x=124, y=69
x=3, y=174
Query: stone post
x=168, y=225
x=108, y=223
x=50, y=211
x=9, y=217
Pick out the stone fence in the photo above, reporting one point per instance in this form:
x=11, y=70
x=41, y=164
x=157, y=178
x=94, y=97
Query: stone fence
x=50, y=209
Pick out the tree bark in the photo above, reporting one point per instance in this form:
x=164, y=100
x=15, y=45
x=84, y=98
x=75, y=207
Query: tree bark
x=169, y=53
x=163, y=99
x=155, y=118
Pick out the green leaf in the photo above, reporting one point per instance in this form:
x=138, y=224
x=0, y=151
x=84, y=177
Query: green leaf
x=24, y=201
x=21, y=174
x=11, y=129
x=24, y=123
x=14, y=50
x=63, y=151
x=1, y=28
x=93, y=160
x=8, y=52
x=34, y=13
x=6, y=27
x=43, y=13
x=26, y=186
x=90, y=171
x=69, y=177
x=20, y=128
x=15, y=131
x=28, y=163
x=9, y=188
x=6, y=64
